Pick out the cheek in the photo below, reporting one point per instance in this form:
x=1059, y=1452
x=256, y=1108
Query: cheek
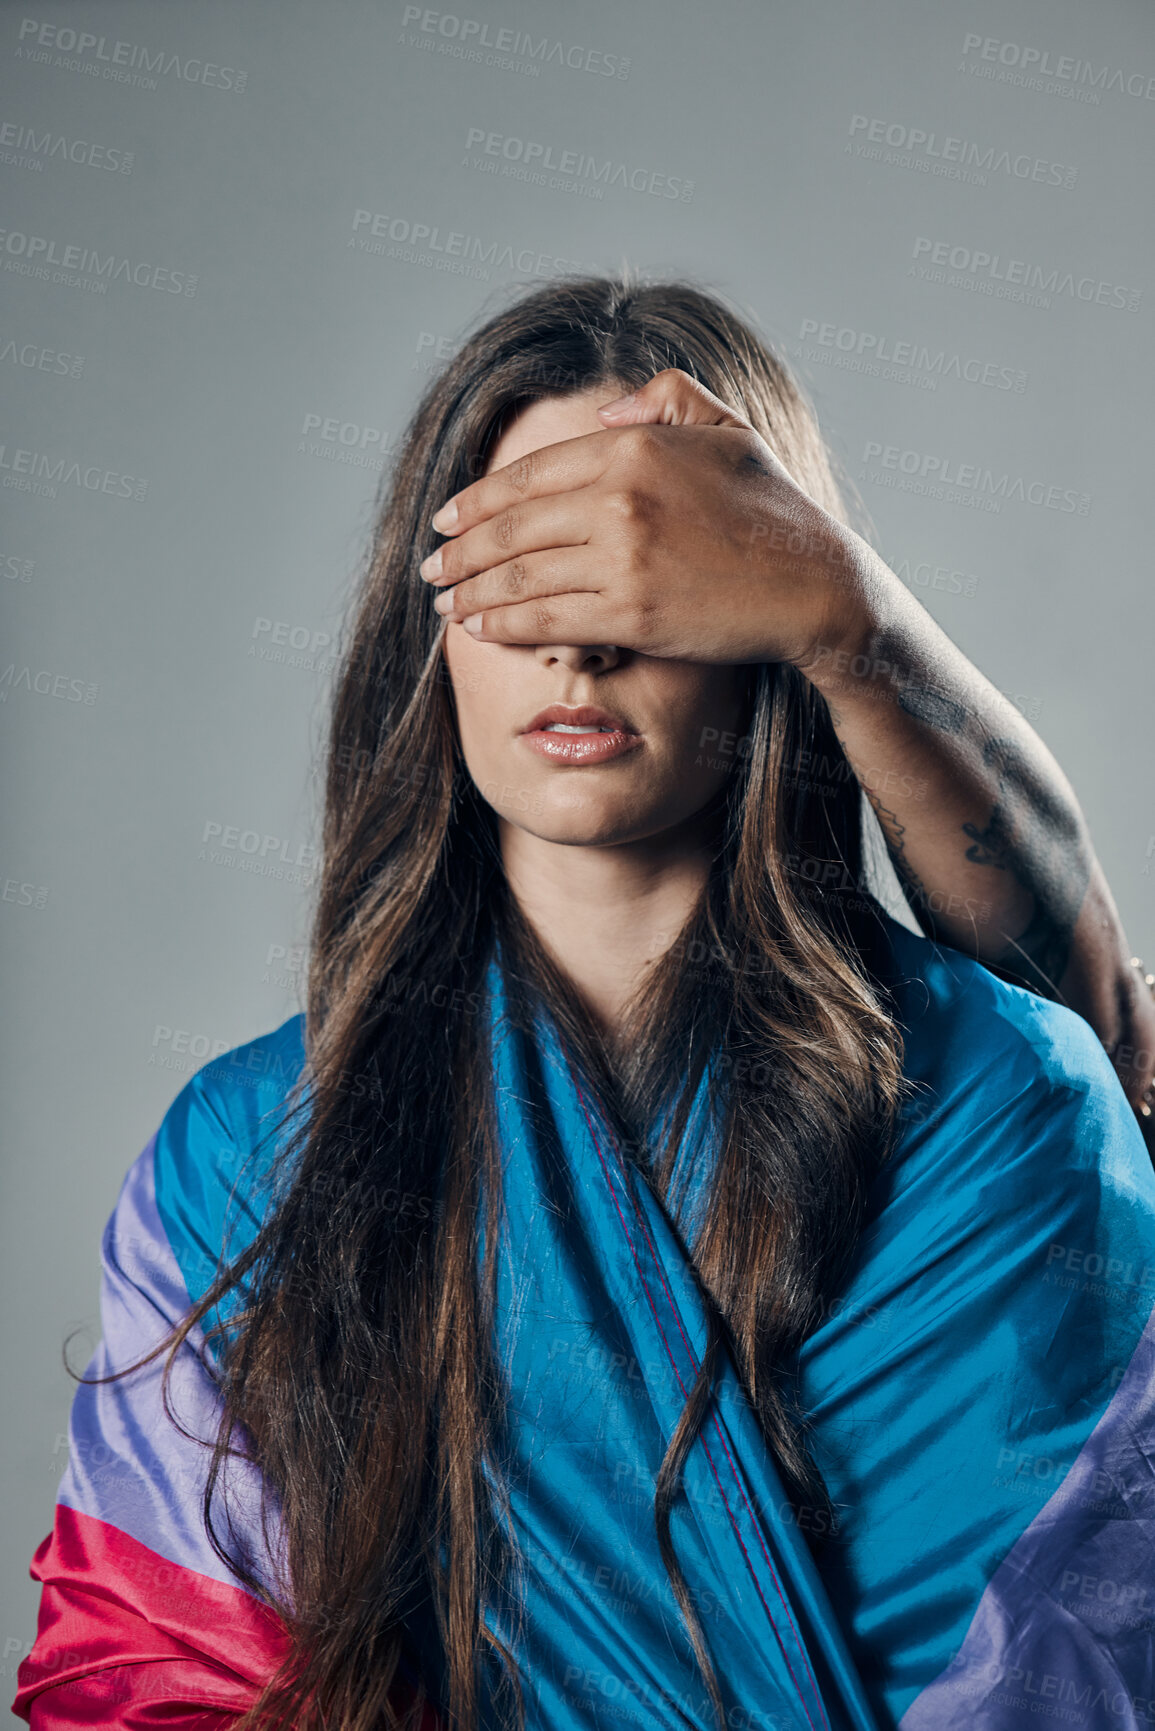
x=473, y=671
x=482, y=682
x=710, y=716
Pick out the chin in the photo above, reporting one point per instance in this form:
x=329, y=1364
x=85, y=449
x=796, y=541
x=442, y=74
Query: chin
x=593, y=823
x=582, y=823
x=579, y=832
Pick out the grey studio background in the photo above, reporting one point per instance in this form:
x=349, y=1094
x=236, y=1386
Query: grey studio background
x=935, y=212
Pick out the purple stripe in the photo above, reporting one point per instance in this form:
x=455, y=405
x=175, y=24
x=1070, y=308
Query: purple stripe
x=1065, y=1632
x=128, y=1463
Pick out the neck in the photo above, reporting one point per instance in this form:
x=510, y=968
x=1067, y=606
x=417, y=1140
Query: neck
x=606, y=914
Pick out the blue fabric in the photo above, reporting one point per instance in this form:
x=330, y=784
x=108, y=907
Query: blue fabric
x=974, y=1353
x=975, y=1364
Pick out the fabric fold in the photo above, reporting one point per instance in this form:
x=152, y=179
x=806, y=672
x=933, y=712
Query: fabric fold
x=978, y=1399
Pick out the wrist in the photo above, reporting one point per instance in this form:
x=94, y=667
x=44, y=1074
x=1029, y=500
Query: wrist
x=852, y=587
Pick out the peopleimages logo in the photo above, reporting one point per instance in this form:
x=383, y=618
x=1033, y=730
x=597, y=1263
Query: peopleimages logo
x=289, y=645
x=1014, y=278
x=940, y=477
x=869, y=352
x=247, y=850
x=527, y=159
x=426, y=244
x=1013, y=62
x=37, y=472
x=46, y=684
x=123, y=62
x=955, y=158
x=478, y=39
x=37, y=358
x=24, y=147
x=352, y=442
x=82, y=266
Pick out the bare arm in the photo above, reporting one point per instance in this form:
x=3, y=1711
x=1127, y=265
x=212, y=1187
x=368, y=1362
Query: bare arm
x=984, y=829
x=693, y=541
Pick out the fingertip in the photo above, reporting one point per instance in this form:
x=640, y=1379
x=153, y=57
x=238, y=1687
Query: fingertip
x=619, y=404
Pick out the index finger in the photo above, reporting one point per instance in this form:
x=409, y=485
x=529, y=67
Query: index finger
x=550, y=469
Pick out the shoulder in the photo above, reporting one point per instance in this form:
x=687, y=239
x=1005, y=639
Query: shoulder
x=997, y=1056
x=213, y=1150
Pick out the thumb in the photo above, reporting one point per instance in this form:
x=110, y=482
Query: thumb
x=673, y=399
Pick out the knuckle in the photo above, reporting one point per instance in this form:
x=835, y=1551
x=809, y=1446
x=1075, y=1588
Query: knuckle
x=505, y=527
x=630, y=506
x=521, y=472
x=640, y=438
x=516, y=576
x=541, y=619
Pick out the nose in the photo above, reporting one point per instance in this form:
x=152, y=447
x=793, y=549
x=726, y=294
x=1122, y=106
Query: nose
x=590, y=658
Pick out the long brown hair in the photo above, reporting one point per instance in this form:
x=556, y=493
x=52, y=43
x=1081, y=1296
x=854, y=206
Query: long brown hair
x=359, y=1365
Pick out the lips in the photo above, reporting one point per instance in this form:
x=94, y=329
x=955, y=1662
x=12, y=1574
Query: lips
x=584, y=716
x=580, y=735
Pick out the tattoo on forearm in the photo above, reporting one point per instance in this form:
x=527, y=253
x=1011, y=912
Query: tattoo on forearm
x=894, y=833
x=933, y=708
x=1034, y=836
x=1030, y=832
x=751, y=460
x=991, y=845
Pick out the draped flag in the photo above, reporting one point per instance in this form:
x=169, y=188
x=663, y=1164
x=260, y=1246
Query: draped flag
x=980, y=1399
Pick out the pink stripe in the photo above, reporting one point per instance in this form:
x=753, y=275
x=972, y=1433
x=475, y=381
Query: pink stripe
x=118, y=1619
x=128, y=1638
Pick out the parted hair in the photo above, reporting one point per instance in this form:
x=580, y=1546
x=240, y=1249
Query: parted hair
x=357, y=1362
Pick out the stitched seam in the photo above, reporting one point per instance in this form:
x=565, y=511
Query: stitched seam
x=737, y=1475
x=705, y=1446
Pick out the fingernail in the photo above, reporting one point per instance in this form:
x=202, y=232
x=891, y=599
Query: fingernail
x=443, y=602
x=473, y=624
x=446, y=517
x=431, y=567
x=618, y=403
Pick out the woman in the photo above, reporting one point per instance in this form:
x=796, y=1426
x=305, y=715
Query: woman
x=650, y=1283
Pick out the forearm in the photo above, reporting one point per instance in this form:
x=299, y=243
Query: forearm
x=1103, y=985
x=984, y=829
